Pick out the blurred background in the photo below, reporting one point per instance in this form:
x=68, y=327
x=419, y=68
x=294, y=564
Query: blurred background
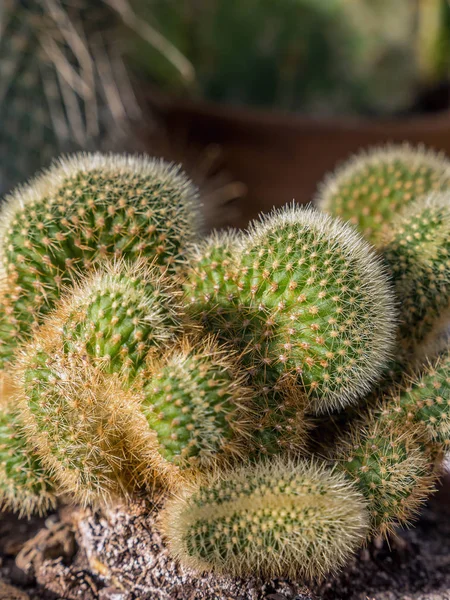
x=257, y=98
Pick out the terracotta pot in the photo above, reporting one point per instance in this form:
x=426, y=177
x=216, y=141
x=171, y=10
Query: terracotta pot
x=280, y=156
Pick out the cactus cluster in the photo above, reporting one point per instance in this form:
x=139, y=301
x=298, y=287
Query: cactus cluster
x=140, y=358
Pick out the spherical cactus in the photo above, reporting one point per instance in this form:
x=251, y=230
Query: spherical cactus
x=425, y=398
x=120, y=314
x=310, y=299
x=83, y=209
x=417, y=250
x=198, y=410
x=370, y=188
x=25, y=485
x=77, y=420
x=391, y=469
x=274, y=519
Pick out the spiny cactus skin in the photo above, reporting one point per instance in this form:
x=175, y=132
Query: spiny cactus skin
x=77, y=420
x=417, y=251
x=425, y=398
x=390, y=468
x=25, y=486
x=370, y=188
x=311, y=299
x=273, y=519
x=200, y=408
x=84, y=209
x=120, y=314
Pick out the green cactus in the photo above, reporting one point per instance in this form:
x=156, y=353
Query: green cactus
x=390, y=467
x=83, y=210
x=71, y=414
x=119, y=315
x=307, y=297
x=25, y=486
x=274, y=519
x=369, y=189
x=425, y=399
x=198, y=406
x=417, y=251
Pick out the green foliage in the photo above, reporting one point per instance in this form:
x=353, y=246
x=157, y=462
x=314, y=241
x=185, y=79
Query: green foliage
x=417, y=251
x=274, y=519
x=83, y=210
x=370, y=188
x=307, y=298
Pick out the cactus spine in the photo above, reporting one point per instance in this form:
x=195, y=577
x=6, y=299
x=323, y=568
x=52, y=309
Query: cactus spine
x=309, y=299
x=276, y=518
x=370, y=188
x=82, y=210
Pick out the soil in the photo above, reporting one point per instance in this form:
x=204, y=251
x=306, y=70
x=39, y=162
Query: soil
x=119, y=555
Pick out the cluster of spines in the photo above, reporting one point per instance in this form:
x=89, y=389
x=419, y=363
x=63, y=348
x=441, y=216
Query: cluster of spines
x=308, y=298
x=372, y=187
x=278, y=518
x=84, y=209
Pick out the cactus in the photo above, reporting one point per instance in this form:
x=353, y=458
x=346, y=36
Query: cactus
x=369, y=189
x=25, y=486
x=275, y=519
x=82, y=210
x=198, y=407
x=390, y=467
x=425, y=398
x=77, y=420
x=309, y=298
x=417, y=251
x=120, y=314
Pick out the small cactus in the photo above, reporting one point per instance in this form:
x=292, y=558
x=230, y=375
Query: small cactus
x=25, y=485
x=120, y=314
x=198, y=408
x=370, y=188
x=308, y=297
x=425, y=399
x=84, y=209
x=417, y=251
x=391, y=469
x=77, y=420
x=274, y=519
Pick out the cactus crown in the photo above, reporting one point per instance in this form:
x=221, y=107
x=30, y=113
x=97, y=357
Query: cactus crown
x=238, y=522
x=370, y=188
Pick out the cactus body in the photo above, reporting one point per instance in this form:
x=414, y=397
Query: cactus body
x=309, y=299
x=119, y=315
x=390, y=468
x=71, y=415
x=199, y=407
x=274, y=519
x=25, y=486
x=417, y=250
x=370, y=188
x=82, y=210
x=425, y=399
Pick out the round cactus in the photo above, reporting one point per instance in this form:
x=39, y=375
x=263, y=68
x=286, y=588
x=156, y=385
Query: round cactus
x=309, y=298
x=25, y=486
x=120, y=314
x=82, y=210
x=77, y=420
x=417, y=250
x=390, y=468
x=370, y=188
x=425, y=398
x=274, y=519
x=198, y=409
